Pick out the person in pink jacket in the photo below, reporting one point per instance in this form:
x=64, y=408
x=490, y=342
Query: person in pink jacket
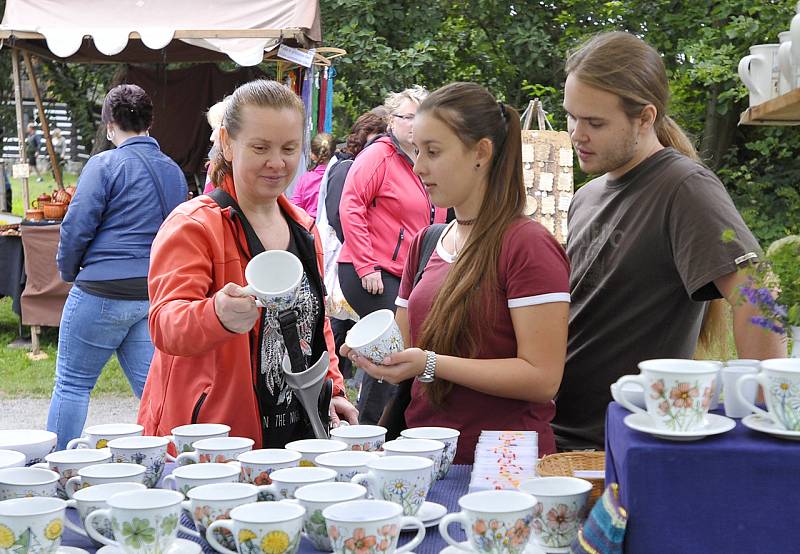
x=306, y=191
x=384, y=205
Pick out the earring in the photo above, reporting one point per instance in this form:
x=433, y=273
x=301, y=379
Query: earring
x=110, y=134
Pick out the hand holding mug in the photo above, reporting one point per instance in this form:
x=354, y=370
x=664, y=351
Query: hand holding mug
x=235, y=309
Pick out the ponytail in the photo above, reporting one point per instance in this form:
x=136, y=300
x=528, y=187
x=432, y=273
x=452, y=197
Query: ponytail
x=219, y=167
x=671, y=134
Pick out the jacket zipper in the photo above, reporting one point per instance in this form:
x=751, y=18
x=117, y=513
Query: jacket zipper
x=399, y=242
x=197, y=406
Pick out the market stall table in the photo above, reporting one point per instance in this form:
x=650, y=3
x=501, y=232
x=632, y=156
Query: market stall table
x=732, y=492
x=12, y=274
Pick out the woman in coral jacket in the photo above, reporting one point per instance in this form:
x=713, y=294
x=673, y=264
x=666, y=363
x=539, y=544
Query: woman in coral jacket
x=217, y=355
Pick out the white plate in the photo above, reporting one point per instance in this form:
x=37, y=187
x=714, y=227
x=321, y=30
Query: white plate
x=765, y=425
x=71, y=550
x=714, y=425
x=429, y=513
x=532, y=548
x=180, y=546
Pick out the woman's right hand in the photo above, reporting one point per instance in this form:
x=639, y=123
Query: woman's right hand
x=372, y=283
x=235, y=309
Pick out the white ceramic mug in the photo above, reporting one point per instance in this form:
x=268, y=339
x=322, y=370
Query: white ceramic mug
x=375, y=522
x=315, y=498
x=759, y=72
x=19, y=482
x=272, y=527
x=143, y=521
x=375, y=336
x=445, y=435
x=677, y=392
x=733, y=405
x=67, y=463
x=98, y=436
x=367, y=438
x=715, y=394
x=218, y=450
x=34, y=443
x=496, y=522
x=273, y=278
x=209, y=503
x=11, y=458
x=309, y=449
x=560, y=509
x=88, y=500
x=404, y=480
x=184, y=436
x=347, y=463
x=786, y=66
x=101, y=474
x=258, y=465
x=426, y=448
x=185, y=478
x=31, y=525
x=151, y=452
x=780, y=380
x=286, y=481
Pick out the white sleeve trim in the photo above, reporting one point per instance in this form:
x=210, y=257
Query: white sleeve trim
x=401, y=302
x=536, y=300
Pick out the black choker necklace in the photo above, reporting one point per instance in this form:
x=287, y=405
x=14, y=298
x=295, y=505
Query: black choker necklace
x=466, y=222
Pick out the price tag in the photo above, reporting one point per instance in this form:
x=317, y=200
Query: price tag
x=20, y=171
x=297, y=56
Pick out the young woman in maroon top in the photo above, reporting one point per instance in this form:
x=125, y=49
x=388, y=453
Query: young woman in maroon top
x=488, y=319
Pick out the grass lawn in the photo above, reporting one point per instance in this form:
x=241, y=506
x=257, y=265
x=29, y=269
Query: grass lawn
x=35, y=189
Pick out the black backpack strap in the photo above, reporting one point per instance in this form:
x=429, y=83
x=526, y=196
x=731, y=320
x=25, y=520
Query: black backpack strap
x=430, y=238
x=225, y=200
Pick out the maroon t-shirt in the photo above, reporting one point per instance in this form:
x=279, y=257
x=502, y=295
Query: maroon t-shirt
x=532, y=269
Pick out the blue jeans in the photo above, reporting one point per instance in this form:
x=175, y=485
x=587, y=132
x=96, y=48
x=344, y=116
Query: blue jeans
x=92, y=328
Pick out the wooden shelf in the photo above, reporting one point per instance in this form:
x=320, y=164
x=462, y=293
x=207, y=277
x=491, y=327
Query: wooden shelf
x=783, y=110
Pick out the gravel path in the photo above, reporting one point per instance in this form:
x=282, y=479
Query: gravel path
x=31, y=413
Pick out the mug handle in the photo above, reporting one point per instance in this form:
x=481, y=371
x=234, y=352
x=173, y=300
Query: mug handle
x=409, y=520
x=168, y=483
x=72, y=503
x=72, y=484
x=637, y=379
x=460, y=518
x=185, y=458
x=266, y=493
x=252, y=292
x=368, y=480
x=785, y=62
x=761, y=380
x=92, y=531
x=212, y=540
x=744, y=73
x=78, y=443
x=187, y=505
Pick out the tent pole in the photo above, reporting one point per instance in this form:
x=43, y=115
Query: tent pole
x=45, y=126
x=26, y=201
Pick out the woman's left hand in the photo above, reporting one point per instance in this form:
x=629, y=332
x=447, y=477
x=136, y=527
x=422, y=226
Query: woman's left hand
x=396, y=367
x=342, y=409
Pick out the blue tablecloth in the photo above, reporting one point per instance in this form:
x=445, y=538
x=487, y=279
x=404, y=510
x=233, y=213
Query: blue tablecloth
x=729, y=493
x=446, y=492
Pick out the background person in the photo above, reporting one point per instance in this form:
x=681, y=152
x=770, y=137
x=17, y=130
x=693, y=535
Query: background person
x=306, y=191
x=123, y=196
x=214, y=117
x=33, y=143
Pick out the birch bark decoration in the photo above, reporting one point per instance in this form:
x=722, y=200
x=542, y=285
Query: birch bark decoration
x=547, y=172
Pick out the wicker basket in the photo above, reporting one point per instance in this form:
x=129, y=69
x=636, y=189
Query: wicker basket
x=54, y=210
x=566, y=463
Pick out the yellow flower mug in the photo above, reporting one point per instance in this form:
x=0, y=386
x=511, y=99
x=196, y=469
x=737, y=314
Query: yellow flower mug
x=31, y=525
x=268, y=527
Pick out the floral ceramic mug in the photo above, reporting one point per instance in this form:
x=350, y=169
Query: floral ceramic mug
x=445, y=435
x=184, y=436
x=366, y=438
x=780, y=379
x=86, y=501
x=209, y=503
x=677, y=393
x=496, y=522
x=309, y=449
x=258, y=465
x=404, y=480
x=272, y=527
x=216, y=450
x=560, y=509
x=273, y=277
x=25, y=522
x=67, y=463
x=315, y=498
x=151, y=452
x=21, y=482
x=375, y=336
x=425, y=448
x=183, y=479
x=101, y=474
x=347, y=464
x=286, y=481
x=98, y=436
x=369, y=527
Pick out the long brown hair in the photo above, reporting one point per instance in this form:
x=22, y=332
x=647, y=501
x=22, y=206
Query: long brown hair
x=367, y=124
x=472, y=113
x=628, y=67
x=262, y=93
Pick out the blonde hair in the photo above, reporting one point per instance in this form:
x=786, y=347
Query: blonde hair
x=415, y=94
x=261, y=93
x=216, y=112
x=322, y=147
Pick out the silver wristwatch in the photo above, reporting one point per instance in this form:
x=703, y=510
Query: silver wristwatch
x=427, y=374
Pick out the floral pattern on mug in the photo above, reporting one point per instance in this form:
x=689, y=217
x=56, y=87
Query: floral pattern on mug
x=204, y=516
x=786, y=402
x=140, y=534
x=261, y=478
x=29, y=541
x=682, y=406
x=359, y=542
x=208, y=458
x=409, y=495
x=153, y=463
x=274, y=542
x=559, y=525
x=497, y=536
x=315, y=529
x=368, y=446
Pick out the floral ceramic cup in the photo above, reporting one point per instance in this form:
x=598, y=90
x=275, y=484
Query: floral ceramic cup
x=151, y=452
x=369, y=527
x=67, y=463
x=678, y=393
x=101, y=474
x=445, y=435
x=98, y=436
x=218, y=450
x=309, y=449
x=184, y=436
x=273, y=277
x=347, y=463
x=375, y=336
x=496, y=522
x=780, y=379
x=404, y=480
x=209, y=503
x=95, y=498
x=31, y=525
x=183, y=479
x=286, y=481
x=561, y=507
x=425, y=448
x=21, y=482
x=258, y=465
x=263, y=527
x=367, y=438
x=315, y=498
x=143, y=521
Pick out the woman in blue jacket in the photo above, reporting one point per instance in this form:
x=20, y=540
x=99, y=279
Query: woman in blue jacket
x=123, y=196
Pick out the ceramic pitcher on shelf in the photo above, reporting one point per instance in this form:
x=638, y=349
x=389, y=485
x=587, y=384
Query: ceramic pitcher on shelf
x=759, y=72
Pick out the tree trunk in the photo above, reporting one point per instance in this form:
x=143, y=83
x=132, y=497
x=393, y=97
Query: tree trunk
x=718, y=131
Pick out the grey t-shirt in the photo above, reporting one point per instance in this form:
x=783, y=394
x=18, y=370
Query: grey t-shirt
x=644, y=252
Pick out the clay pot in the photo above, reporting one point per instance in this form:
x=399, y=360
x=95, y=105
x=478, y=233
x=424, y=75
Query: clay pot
x=34, y=215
